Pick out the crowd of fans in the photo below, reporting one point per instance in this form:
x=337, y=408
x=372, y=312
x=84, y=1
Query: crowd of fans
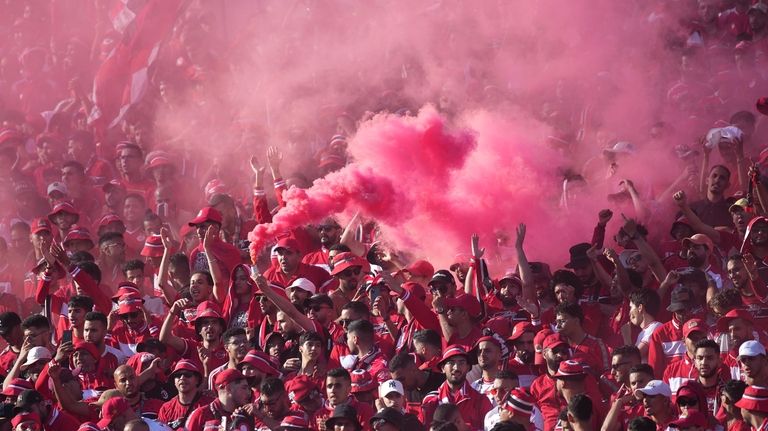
x=130, y=300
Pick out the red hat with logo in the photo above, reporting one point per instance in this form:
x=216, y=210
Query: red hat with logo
x=87, y=347
x=25, y=417
x=207, y=310
x=131, y=303
x=724, y=322
x=159, y=160
x=261, y=361
x=289, y=243
x=40, y=224
x=140, y=361
x=226, y=377
x=521, y=328
x=519, y=403
x=63, y=207
x=300, y=387
x=465, y=302
x=109, y=218
x=125, y=288
x=538, y=345
x=346, y=260
x=420, y=268
x=294, y=420
x=362, y=381
x=415, y=289
x=112, y=408
x=694, y=325
x=754, y=398
x=453, y=351
x=16, y=387
x=153, y=246
x=569, y=369
x=78, y=233
x=186, y=365
x=553, y=340
x=206, y=214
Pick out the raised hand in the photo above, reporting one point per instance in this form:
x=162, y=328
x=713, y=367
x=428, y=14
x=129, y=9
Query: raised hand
x=604, y=216
x=274, y=157
x=612, y=255
x=165, y=237
x=520, y=238
x=477, y=252
x=681, y=200
x=59, y=254
x=630, y=226
x=210, y=237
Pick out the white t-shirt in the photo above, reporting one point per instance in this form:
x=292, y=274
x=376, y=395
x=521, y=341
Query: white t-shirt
x=645, y=335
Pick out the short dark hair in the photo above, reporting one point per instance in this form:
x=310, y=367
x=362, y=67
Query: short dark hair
x=207, y=275
x=180, y=260
x=81, y=256
x=562, y=276
x=429, y=337
x=310, y=336
x=96, y=316
x=110, y=236
x=573, y=310
x=642, y=368
x=648, y=298
x=443, y=412
x=76, y=165
x=357, y=307
x=92, y=269
x=628, y=350
x=340, y=373
x=726, y=300
x=744, y=116
x=708, y=344
x=400, y=361
x=37, y=321
x=133, y=265
x=734, y=389
x=341, y=248
x=363, y=328
x=231, y=333
x=580, y=407
x=507, y=374
x=272, y=386
x=81, y=301
x=641, y=423
x=723, y=167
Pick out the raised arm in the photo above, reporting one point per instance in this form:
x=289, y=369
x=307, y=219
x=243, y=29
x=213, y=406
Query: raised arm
x=169, y=293
x=166, y=331
x=348, y=236
x=704, y=168
x=16, y=369
x=641, y=211
x=681, y=200
x=219, y=281
x=260, y=207
x=275, y=157
x=649, y=254
x=526, y=275
x=66, y=400
x=283, y=304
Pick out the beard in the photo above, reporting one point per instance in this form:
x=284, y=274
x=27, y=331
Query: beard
x=695, y=261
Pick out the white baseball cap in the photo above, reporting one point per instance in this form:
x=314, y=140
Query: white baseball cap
x=390, y=386
x=751, y=348
x=304, y=284
x=655, y=387
x=36, y=354
x=57, y=187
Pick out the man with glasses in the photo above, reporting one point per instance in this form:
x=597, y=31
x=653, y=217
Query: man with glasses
x=348, y=271
x=623, y=404
x=186, y=376
x=655, y=397
x=129, y=161
x=329, y=231
x=111, y=257
x=455, y=363
x=236, y=345
x=289, y=266
x=320, y=308
x=215, y=250
x=133, y=326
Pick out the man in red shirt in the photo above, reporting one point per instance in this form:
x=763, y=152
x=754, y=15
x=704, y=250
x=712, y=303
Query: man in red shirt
x=290, y=267
x=10, y=330
x=127, y=383
x=418, y=316
x=740, y=327
x=666, y=342
x=130, y=160
x=455, y=363
x=585, y=348
x=187, y=377
x=338, y=389
x=364, y=352
x=655, y=397
x=623, y=404
x=348, y=270
x=522, y=361
x=232, y=391
x=754, y=407
x=329, y=232
x=682, y=369
x=458, y=319
x=227, y=256
x=554, y=350
x=51, y=417
x=133, y=327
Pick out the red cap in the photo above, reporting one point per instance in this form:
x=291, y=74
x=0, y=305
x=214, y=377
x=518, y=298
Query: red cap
x=131, y=303
x=78, y=233
x=500, y=325
x=159, y=161
x=694, y=325
x=153, y=246
x=415, y=289
x=300, y=387
x=485, y=338
x=699, y=239
x=570, y=368
x=294, y=420
x=725, y=321
x=694, y=419
x=226, y=377
x=114, y=184
x=111, y=409
x=16, y=387
x=186, y=365
x=520, y=329
x=25, y=417
x=466, y=302
x=346, y=260
x=140, y=361
x=754, y=398
x=553, y=340
x=421, y=268
x=452, y=351
x=288, y=243
x=261, y=361
x=538, y=341
x=207, y=214
x=109, y=218
x=63, y=207
x=125, y=288
x=208, y=309
x=88, y=347
x=40, y=224
x=362, y=381
x=214, y=187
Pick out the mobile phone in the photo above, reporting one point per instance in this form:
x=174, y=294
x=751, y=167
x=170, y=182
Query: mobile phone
x=66, y=336
x=375, y=293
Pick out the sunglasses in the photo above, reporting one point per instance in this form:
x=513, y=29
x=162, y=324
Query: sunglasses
x=131, y=315
x=350, y=271
x=617, y=366
x=185, y=374
x=344, y=322
x=687, y=402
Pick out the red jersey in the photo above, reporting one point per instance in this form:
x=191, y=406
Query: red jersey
x=678, y=372
x=7, y=359
x=593, y=317
x=468, y=341
x=666, y=344
x=216, y=358
x=374, y=362
x=592, y=352
x=318, y=276
x=472, y=404
x=127, y=339
x=173, y=410
x=207, y=417
x=423, y=318
x=60, y=421
x=364, y=414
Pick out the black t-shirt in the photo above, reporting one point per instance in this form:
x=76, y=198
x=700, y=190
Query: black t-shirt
x=713, y=213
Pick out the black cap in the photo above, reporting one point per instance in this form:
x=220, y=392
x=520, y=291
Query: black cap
x=442, y=275
x=390, y=415
x=579, y=256
x=29, y=398
x=8, y=321
x=343, y=411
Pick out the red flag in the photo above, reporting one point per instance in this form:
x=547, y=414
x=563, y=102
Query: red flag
x=122, y=79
